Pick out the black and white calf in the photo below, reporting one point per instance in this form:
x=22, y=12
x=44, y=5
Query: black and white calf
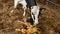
x=32, y=5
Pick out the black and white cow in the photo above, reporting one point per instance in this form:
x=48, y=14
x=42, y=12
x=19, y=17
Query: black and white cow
x=32, y=5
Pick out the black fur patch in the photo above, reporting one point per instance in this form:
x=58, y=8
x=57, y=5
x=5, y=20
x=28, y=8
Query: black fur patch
x=31, y=3
x=30, y=20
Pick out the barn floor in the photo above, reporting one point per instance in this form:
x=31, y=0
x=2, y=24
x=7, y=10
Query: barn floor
x=49, y=20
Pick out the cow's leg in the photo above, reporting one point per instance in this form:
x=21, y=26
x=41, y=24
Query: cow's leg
x=24, y=13
x=23, y=2
x=16, y=3
x=24, y=7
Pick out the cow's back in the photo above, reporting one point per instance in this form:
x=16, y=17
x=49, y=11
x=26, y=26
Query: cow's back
x=31, y=3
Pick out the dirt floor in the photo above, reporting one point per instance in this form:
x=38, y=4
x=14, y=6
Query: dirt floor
x=49, y=20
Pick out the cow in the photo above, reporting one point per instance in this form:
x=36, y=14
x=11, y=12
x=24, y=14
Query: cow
x=30, y=4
